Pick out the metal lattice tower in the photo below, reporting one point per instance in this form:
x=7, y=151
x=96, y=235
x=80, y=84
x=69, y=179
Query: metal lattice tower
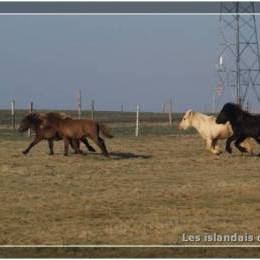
x=238, y=57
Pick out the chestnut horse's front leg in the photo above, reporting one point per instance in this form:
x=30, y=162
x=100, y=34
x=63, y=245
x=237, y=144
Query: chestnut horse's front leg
x=66, y=146
x=33, y=143
x=50, y=143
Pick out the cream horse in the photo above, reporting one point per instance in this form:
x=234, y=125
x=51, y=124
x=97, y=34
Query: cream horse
x=210, y=131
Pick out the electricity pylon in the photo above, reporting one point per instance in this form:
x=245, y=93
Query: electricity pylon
x=238, y=57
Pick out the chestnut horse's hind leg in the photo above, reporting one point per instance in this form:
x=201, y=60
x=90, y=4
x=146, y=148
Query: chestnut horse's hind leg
x=75, y=145
x=33, y=143
x=50, y=143
x=89, y=147
x=99, y=141
x=101, y=144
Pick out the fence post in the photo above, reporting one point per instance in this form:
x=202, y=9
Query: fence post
x=79, y=103
x=163, y=108
x=137, y=121
x=92, y=108
x=13, y=113
x=30, y=111
x=170, y=111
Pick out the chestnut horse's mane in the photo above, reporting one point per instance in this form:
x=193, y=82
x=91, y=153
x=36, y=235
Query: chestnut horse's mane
x=36, y=118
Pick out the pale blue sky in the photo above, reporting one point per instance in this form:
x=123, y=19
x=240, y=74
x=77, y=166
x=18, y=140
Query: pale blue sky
x=112, y=59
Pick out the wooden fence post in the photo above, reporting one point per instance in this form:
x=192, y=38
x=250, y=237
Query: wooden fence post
x=79, y=103
x=170, y=111
x=30, y=111
x=92, y=108
x=13, y=113
x=137, y=121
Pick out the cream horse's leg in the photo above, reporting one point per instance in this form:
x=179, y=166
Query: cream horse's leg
x=211, y=146
x=215, y=147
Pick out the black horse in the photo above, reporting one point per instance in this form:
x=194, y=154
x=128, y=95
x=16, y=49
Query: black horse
x=243, y=125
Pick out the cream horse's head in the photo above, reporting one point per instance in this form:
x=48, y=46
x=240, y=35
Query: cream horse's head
x=186, y=121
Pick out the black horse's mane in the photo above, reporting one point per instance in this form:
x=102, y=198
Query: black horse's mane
x=235, y=108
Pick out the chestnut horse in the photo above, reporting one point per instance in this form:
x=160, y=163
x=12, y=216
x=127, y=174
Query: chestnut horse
x=75, y=129
x=35, y=122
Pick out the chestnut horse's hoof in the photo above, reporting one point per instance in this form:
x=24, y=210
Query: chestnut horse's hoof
x=25, y=152
x=65, y=154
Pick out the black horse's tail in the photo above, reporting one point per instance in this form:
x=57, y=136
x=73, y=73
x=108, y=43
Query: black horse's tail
x=104, y=131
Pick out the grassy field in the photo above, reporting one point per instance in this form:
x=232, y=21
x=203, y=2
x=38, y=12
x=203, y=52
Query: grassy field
x=152, y=190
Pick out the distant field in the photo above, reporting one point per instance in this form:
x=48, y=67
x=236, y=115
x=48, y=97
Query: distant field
x=103, y=116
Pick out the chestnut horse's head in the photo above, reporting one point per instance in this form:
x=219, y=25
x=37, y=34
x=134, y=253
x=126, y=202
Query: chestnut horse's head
x=29, y=121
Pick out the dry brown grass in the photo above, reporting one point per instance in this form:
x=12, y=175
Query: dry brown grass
x=151, y=191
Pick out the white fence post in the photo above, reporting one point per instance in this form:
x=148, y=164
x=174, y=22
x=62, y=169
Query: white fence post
x=79, y=103
x=170, y=111
x=30, y=111
x=13, y=113
x=137, y=121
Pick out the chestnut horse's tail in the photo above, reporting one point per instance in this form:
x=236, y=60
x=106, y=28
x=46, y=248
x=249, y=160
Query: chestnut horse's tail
x=104, y=131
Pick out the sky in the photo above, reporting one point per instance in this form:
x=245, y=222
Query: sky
x=114, y=60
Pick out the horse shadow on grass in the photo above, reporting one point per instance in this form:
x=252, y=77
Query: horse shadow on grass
x=123, y=155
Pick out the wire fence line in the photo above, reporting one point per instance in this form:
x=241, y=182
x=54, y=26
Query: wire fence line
x=122, y=122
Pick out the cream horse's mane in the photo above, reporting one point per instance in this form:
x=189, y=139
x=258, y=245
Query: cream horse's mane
x=200, y=116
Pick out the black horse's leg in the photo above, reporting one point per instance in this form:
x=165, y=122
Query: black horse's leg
x=89, y=147
x=50, y=143
x=237, y=144
x=33, y=143
x=228, y=143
